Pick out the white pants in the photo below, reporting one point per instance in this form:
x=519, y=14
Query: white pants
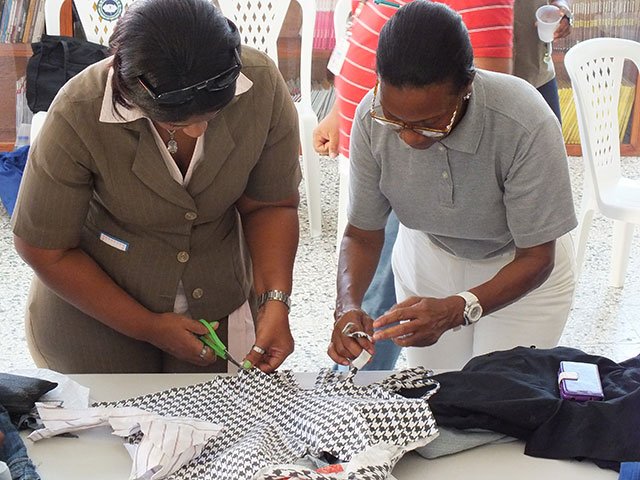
x=422, y=269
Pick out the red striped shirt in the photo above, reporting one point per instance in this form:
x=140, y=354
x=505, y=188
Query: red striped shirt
x=490, y=25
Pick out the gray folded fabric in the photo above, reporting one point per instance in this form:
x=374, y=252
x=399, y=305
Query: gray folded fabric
x=453, y=440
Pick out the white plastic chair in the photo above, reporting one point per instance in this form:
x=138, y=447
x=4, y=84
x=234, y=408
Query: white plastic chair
x=260, y=22
x=52, y=10
x=341, y=14
x=595, y=68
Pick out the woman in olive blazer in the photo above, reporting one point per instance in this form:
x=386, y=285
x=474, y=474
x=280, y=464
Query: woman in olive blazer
x=163, y=188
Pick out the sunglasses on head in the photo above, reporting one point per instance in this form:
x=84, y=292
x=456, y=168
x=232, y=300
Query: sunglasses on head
x=183, y=95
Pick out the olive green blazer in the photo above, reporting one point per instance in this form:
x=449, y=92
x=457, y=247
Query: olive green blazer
x=103, y=187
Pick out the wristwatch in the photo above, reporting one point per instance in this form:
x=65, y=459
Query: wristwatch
x=472, y=308
x=566, y=12
x=569, y=16
x=278, y=295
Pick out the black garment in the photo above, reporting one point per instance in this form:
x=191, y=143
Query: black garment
x=516, y=392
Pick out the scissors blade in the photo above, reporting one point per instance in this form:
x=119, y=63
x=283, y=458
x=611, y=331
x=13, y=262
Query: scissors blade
x=233, y=360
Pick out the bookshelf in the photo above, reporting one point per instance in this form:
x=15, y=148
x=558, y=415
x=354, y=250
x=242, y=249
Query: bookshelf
x=13, y=65
x=14, y=57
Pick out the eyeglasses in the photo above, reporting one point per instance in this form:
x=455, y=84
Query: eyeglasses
x=183, y=95
x=399, y=126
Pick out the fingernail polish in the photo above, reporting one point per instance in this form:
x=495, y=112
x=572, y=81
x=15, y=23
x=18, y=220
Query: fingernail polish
x=247, y=365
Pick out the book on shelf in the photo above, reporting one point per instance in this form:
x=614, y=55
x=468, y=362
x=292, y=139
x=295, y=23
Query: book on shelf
x=22, y=21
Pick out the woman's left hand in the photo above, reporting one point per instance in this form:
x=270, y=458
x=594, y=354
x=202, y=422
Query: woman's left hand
x=420, y=321
x=273, y=335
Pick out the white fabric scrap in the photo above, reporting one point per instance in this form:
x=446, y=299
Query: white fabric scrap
x=167, y=443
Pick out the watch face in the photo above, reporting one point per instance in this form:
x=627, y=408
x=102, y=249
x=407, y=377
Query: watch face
x=475, y=312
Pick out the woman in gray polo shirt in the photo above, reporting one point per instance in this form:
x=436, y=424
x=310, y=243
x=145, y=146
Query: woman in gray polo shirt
x=474, y=165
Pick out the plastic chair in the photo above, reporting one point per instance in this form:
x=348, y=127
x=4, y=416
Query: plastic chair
x=260, y=23
x=340, y=17
x=595, y=68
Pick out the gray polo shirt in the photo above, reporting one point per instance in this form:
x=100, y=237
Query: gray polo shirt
x=500, y=178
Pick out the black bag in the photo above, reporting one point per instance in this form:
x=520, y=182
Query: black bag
x=55, y=60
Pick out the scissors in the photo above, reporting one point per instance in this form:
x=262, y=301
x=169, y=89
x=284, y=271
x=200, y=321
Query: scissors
x=213, y=341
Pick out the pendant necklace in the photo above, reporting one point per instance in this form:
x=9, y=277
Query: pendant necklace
x=172, y=145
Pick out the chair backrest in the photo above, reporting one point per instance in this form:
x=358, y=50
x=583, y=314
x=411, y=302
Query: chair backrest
x=99, y=17
x=52, y=9
x=595, y=68
x=260, y=23
x=341, y=14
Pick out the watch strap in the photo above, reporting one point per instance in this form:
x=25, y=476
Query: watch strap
x=277, y=295
x=469, y=298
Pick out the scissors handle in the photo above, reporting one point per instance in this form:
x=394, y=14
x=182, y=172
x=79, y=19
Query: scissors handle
x=213, y=341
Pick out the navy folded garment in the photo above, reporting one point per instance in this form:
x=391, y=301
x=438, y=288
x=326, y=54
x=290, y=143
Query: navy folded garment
x=515, y=392
x=11, y=168
x=13, y=452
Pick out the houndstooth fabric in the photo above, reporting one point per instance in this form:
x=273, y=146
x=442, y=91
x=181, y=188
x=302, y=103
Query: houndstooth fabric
x=269, y=420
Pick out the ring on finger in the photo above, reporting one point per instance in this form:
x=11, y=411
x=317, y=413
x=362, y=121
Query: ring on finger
x=258, y=349
x=203, y=352
x=346, y=330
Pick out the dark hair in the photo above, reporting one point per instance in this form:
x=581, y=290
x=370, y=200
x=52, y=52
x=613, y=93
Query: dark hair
x=425, y=43
x=172, y=44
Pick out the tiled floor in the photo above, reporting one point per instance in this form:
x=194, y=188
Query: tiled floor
x=603, y=320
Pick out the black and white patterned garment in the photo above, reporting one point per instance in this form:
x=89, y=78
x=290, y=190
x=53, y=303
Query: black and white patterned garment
x=270, y=421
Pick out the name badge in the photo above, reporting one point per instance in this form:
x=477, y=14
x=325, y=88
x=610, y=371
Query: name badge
x=336, y=60
x=114, y=242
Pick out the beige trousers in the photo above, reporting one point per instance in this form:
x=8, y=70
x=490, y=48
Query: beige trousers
x=423, y=269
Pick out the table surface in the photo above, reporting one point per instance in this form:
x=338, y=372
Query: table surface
x=99, y=455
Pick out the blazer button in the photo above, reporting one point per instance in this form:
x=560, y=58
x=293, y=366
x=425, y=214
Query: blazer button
x=197, y=293
x=183, y=257
x=191, y=216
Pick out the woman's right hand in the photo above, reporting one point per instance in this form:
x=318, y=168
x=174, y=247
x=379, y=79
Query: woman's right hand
x=178, y=336
x=325, y=135
x=343, y=349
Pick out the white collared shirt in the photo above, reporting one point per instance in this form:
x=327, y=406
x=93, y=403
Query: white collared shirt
x=123, y=115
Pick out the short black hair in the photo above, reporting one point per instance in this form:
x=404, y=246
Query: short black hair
x=172, y=44
x=425, y=43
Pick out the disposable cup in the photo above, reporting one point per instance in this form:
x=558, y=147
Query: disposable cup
x=547, y=19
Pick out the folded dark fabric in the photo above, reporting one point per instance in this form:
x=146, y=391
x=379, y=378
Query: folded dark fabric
x=13, y=452
x=18, y=394
x=515, y=392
